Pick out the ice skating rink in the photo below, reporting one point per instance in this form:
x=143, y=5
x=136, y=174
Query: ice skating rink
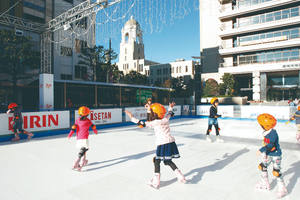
x=120, y=164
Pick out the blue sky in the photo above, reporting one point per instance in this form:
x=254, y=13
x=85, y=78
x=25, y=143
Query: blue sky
x=181, y=39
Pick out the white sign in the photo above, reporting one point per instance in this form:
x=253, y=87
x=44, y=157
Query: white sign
x=141, y=112
x=37, y=121
x=279, y=112
x=137, y=112
x=225, y=111
x=104, y=116
x=46, y=91
x=176, y=110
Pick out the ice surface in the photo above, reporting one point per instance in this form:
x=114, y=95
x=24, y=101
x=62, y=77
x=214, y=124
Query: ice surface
x=120, y=164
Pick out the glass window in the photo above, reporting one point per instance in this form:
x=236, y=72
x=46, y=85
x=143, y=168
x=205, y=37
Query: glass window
x=270, y=57
x=295, y=12
x=286, y=55
x=242, y=60
x=287, y=32
x=294, y=55
x=294, y=33
x=242, y=39
x=277, y=15
x=255, y=37
x=270, y=35
x=277, y=34
x=269, y=17
x=263, y=57
x=286, y=14
x=164, y=71
x=262, y=36
x=262, y=18
x=255, y=20
x=277, y=55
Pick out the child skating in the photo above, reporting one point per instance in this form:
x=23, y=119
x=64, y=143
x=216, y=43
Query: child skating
x=82, y=126
x=148, y=107
x=17, y=122
x=271, y=153
x=296, y=117
x=166, y=146
x=213, y=120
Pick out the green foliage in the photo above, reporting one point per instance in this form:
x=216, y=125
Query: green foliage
x=16, y=57
x=95, y=58
x=211, y=88
x=228, y=84
x=135, y=78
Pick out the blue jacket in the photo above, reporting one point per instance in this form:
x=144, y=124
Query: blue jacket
x=296, y=116
x=271, y=144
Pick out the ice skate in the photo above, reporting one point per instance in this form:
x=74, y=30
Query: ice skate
x=30, y=135
x=180, y=177
x=155, y=181
x=208, y=138
x=84, y=161
x=264, y=184
x=219, y=140
x=76, y=165
x=17, y=138
x=281, y=190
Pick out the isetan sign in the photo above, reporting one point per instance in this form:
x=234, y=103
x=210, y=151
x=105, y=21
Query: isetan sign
x=104, y=116
x=37, y=121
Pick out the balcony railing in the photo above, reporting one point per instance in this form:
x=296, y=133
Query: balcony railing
x=262, y=61
x=247, y=3
x=250, y=41
x=264, y=18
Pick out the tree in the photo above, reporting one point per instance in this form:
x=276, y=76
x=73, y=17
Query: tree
x=211, y=88
x=168, y=83
x=228, y=83
x=135, y=78
x=96, y=59
x=16, y=57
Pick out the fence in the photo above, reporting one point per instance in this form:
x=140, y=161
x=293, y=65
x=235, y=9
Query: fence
x=63, y=119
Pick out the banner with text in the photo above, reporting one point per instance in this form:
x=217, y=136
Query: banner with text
x=277, y=111
x=37, y=121
x=104, y=116
x=225, y=111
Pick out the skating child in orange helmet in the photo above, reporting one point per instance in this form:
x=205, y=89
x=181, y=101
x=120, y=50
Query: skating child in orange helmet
x=166, y=146
x=82, y=126
x=271, y=154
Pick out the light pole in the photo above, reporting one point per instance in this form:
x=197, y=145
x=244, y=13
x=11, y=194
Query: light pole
x=198, y=83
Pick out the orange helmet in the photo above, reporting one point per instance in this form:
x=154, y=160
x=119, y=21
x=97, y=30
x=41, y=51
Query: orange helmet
x=84, y=111
x=298, y=108
x=267, y=121
x=159, y=109
x=12, y=105
x=149, y=99
x=213, y=100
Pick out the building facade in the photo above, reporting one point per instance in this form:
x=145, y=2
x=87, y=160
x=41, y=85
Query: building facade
x=255, y=40
x=132, y=57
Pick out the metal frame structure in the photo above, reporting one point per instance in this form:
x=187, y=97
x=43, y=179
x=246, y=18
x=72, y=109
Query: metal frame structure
x=45, y=30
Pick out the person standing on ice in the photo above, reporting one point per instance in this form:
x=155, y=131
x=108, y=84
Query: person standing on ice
x=213, y=120
x=296, y=117
x=166, y=146
x=271, y=154
x=17, y=122
x=82, y=126
x=149, y=111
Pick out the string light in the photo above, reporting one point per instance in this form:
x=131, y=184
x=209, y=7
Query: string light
x=152, y=16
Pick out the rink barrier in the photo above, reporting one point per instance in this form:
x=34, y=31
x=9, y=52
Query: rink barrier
x=56, y=122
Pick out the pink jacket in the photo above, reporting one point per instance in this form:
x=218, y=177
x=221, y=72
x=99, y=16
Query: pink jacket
x=82, y=130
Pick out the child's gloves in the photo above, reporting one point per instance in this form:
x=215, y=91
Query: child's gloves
x=95, y=131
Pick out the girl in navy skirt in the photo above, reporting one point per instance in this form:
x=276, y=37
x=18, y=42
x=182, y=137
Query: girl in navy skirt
x=166, y=146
